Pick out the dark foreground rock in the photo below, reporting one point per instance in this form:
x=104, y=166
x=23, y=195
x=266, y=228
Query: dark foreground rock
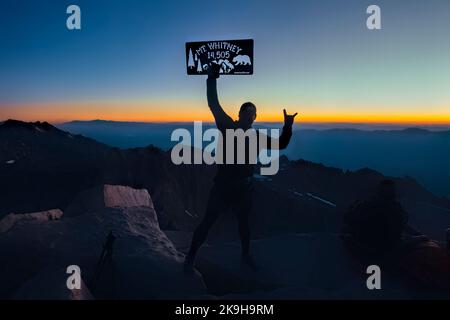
x=299, y=266
x=145, y=263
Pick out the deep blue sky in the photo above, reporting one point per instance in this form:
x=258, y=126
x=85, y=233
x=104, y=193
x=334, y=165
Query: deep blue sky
x=316, y=56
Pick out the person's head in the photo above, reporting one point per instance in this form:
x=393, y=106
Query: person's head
x=247, y=114
x=386, y=190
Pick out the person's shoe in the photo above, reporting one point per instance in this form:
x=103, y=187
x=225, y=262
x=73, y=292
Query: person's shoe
x=248, y=261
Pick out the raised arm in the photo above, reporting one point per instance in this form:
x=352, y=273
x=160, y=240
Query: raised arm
x=223, y=120
x=286, y=133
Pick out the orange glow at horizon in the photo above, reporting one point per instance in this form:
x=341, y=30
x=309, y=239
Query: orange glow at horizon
x=170, y=111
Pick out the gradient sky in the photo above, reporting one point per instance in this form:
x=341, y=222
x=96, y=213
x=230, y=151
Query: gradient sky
x=315, y=57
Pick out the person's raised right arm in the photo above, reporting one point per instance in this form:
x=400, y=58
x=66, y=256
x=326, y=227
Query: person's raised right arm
x=223, y=120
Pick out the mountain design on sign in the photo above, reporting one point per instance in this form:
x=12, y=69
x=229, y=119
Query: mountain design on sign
x=225, y=65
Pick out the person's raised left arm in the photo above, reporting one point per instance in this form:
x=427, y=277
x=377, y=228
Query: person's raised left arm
x=286, y=133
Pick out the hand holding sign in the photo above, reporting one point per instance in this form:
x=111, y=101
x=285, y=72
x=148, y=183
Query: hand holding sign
x=288, y=118
x=213, y=70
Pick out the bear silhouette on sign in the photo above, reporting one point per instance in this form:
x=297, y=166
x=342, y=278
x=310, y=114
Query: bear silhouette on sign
x=242, y=60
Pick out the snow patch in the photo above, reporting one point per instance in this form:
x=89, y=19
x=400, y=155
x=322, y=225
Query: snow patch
x=191, y=215
x=296, y=192
x=321, y=200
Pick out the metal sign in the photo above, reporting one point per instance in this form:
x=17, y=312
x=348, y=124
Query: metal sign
x=235, y=57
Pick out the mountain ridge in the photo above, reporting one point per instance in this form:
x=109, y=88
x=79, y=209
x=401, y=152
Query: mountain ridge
x=405, y=129
x=49, y=175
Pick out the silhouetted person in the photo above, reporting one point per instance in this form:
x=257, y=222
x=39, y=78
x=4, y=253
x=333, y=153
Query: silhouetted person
x=105, y=257
x=377, y=224
x=233, y=184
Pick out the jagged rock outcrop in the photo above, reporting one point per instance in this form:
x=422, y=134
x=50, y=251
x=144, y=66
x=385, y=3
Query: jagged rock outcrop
x=145, y=264
x=8, y=221
x=49, y=167
x=109, y=196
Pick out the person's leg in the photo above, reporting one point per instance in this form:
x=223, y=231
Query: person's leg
x=216, y=205
x=242, y=208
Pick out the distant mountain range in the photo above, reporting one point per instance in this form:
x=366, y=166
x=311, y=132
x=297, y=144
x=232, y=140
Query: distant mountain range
x=417, y=152
x=43, y=167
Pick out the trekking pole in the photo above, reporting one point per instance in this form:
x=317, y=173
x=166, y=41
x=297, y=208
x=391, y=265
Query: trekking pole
x=105, y=257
